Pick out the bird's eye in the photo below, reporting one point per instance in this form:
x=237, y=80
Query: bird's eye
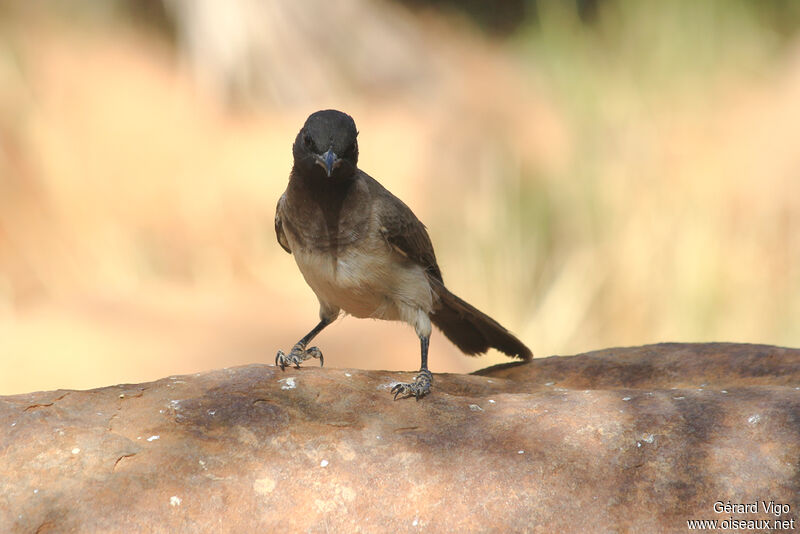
x=308, y=141
x=350, y=151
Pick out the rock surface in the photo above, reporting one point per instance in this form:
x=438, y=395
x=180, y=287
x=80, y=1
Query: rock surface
x=635, y=439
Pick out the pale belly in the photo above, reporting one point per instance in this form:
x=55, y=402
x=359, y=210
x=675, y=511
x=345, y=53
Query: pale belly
x=373, y=283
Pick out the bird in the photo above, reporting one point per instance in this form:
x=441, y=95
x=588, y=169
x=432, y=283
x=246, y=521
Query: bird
x=364, y=252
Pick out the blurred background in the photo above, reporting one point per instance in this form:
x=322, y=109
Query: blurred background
x=592, y=174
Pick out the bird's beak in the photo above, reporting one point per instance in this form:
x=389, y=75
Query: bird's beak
x=327, y=161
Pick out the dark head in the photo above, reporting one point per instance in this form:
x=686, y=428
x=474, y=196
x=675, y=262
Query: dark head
x=326, y=145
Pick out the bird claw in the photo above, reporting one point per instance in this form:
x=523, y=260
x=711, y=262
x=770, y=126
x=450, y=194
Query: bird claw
x=297, y=355
x=420, y=387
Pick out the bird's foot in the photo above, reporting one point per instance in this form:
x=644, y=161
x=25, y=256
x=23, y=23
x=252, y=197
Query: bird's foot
x=420, y=387
x=299, y=353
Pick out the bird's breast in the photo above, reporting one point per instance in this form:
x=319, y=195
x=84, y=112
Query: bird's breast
x=365, y=279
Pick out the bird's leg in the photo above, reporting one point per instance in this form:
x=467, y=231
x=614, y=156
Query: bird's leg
x=421, y=385
x=299, y=352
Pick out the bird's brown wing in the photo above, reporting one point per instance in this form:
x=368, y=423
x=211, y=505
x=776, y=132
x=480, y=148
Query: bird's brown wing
x=407, y=235
x=282, y=241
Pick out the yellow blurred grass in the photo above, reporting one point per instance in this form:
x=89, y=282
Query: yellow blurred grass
x=581, y=209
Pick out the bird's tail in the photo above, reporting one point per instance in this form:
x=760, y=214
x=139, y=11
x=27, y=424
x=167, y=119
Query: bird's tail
x=471, y=330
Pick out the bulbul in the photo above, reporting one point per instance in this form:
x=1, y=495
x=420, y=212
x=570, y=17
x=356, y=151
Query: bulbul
x=364, y=252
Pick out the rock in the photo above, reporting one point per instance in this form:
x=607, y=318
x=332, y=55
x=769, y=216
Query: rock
x=635, y=439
